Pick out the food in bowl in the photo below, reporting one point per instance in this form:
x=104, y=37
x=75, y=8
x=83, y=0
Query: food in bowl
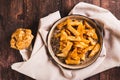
x=21, y=39
x=75, y=41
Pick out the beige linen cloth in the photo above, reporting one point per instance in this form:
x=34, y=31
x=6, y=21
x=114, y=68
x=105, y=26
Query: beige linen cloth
x=40, y=67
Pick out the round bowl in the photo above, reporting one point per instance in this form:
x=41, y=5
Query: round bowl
x=94, y=24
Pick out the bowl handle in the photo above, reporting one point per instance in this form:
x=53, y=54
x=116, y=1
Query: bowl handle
x=100, y=27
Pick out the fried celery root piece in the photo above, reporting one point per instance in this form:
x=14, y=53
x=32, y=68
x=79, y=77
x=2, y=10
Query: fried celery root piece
x=65, y=50
x=63, y=35
x=92, y=41
x=61, y=25
x=73, y=58
x=95, y=50
x=81, y=28
x=75, y=22
x=80, y=44
x=87, y=25
x=68, y=32
x=73, y=30
x=71, y=61
x=73, y=38
x=92, y=33
x=62, y=45
x=21, y=39
x=82, y=56
x=82, y=52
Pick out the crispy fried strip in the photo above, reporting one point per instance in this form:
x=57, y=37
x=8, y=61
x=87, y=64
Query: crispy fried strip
x=70, y=61
x=73, y=57
x=85, y=41
x=87, y=25
x=68, y=32
x=60, y=26
x=75, y=23
x=92, y=34
x=62, y=45
x=74, y=31
x=95, y=50
x=65, y=50
x=72, y=38
x=92, y=41
x=80, y=27
x=82, y=56
x=80, y=44
x=63, y=35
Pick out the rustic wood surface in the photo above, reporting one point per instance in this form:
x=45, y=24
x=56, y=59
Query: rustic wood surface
x=26, y=13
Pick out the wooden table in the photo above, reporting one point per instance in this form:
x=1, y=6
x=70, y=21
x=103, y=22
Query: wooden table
x=26, y=13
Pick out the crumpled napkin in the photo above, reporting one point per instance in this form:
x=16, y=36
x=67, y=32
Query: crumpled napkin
x=39, y=66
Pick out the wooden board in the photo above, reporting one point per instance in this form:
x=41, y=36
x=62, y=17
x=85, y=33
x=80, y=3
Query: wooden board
x=26, y=13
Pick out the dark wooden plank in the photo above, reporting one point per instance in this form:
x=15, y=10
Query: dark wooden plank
x=95, y=77
x=33, y=10
x=110, y=5
x=111, y=74
x=105, y=4
x=117, y=9
x=96, y=2
x=9, y=21
x=26, y=13
x=47, y=6
x=67, y=5
x=7, y=56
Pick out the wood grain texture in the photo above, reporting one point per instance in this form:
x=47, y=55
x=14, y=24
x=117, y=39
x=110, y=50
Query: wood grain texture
x=26, y=13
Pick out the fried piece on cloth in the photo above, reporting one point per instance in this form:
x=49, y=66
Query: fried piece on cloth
x=21, y=39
